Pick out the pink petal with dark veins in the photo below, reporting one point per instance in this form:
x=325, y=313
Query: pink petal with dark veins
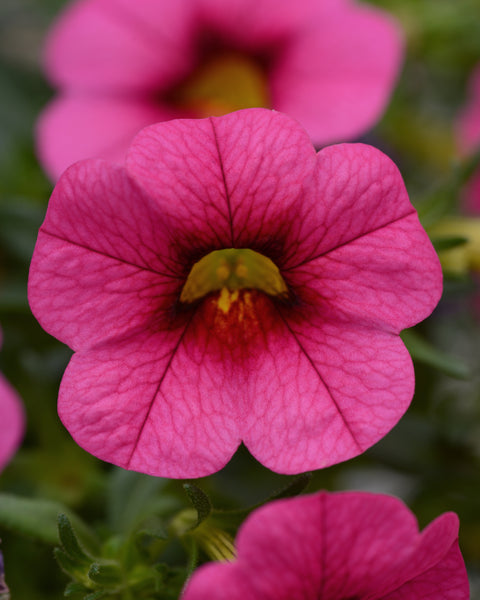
x=325, y=392
x=102, y=263
x=143, y=403
x=349, y=545
x=231, y=181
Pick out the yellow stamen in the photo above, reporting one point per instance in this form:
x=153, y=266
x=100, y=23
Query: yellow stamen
x=226, y=299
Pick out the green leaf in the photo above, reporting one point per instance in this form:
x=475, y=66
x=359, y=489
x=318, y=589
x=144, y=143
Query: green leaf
x=70, y=542
x=294, y=487
x=109, y=575
x=34, y=517
x=200, y=501
x=74, y=589
x=421, y=350
x=70, y=566
x=446, y=243
x=95, y=595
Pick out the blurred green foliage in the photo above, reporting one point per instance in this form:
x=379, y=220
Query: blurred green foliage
x=431, y=459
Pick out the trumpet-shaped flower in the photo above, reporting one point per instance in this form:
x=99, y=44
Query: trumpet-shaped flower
x=229, y=284
x=122, y=65
x=11, y=421
x=342, y=546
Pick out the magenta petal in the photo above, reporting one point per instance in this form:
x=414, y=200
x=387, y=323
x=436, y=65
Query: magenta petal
x=468, y=125
x=144, y=403
x=389, y=278
x=324, y=393
x=446, y=580
x=437, y=572
x=357, y=191
x=11, y=422
x=468, y=137
x=339, y=98
x=336, y=546
x=75, y=127
x=113, y=45
x=256, y=25
x=230, y=181
x=93, y=276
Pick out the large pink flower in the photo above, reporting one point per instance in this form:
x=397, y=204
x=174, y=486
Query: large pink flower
x=297, y=354
x=468, y=135
x=121, y=65
x=11, y=420
x=343, y=546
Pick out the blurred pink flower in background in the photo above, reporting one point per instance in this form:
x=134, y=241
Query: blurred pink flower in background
x=181, y=352
x=468, y=135
x=11, y=420
x=121, y=65
x=341, y=546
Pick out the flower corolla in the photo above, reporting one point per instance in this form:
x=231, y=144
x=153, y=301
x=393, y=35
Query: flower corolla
x=227, y=285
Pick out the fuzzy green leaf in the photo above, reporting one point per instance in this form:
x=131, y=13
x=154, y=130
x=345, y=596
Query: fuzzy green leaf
x=109, y=575
x=70, y=566
x=70, y=542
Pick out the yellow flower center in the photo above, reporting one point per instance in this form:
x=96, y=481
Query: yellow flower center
x=230, y=270
x=223, y=84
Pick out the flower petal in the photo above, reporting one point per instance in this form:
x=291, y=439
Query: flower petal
x=325, y=392
x=342, y=545
x=11, y=421
x=102, y=261
x=358, y=190
x=75, y=127
x=468, y=124
x=113, y=45
x=389, y=278
x=232, y=181
x=447, y=580
x=253, y=25
x=351, y=87
x=142, y=402
x=436, y=569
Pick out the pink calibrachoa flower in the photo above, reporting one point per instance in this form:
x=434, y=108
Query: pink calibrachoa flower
x=11, y=420
x=341, y=546
x=468, y=135
x=122, y=65
x=229, y=284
